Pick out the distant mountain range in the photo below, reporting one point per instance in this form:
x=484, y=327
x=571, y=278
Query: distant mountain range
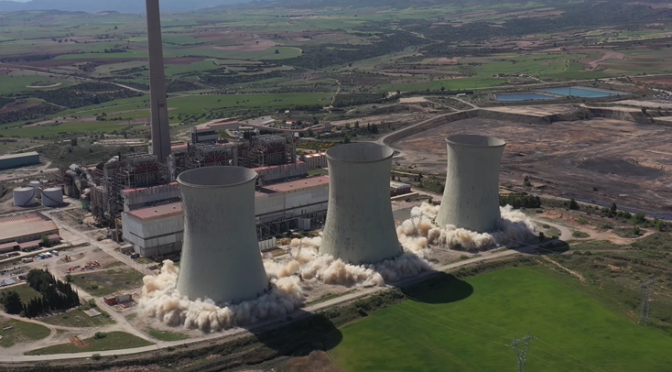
x=123, y=6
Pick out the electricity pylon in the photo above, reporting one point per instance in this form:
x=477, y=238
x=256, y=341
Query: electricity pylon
x=521, y=354
x=646, y=290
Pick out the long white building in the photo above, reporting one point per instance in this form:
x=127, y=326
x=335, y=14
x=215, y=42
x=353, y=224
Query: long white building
x=158, y=230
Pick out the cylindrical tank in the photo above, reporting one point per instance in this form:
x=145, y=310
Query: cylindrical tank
x=471, y=195
x=52, y=197
x=220, y=254
x=24, y=196
x=360, y=227
x=36, y=185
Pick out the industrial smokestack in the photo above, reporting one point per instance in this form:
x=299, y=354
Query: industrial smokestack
x=360, y=227
x=471, y=196
x=157, y=84
x=220, y=253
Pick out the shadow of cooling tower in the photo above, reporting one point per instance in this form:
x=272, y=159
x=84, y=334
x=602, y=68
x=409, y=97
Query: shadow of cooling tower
x=306, y=332
x=437, y=288
x=302, y=333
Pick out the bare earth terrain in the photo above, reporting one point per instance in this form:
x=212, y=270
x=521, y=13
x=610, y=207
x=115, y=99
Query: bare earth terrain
x=604, y=160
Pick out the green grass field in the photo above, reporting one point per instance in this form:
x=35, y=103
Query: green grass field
x=77, y=318
x=103, y=283
x=573, y=331
x=113, y=341
x=20, y=332
x=166, y=335
x=19, y=82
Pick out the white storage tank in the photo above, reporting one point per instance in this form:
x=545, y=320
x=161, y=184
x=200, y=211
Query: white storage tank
x=24, y=196
x=36, y=186
x=52, y=197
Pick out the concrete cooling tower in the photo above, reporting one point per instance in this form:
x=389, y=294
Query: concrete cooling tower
x=220, y=253
x=359, y=227
x=471, y=196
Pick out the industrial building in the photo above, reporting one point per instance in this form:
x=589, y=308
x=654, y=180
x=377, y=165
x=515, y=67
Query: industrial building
x=118, y=298
x=315, y=161
x=399, y=188
x=283, y=172
x=471, y=195
x=26, y=232
x=220, y=255
x=158, y=230
x=209, y=132
x=19, y=160
x=359, y=227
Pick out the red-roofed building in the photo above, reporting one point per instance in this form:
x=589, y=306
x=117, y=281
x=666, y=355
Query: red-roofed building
x=158, y=230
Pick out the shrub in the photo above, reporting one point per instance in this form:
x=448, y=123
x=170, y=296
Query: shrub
x=100, y=335
x=95, y=356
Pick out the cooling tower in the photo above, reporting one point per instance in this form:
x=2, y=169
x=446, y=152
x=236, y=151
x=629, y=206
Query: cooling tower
x=360, y=227
x=220, y=253
x=471, y=196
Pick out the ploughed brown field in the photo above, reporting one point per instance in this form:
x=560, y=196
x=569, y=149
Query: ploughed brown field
x=604, y=160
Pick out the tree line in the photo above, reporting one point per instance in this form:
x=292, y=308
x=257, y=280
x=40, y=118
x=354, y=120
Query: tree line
x=520, y=201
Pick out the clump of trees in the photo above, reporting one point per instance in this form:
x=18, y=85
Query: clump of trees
x=56, y=295
x=520, y=201
x=84, y=94
x=30, y=113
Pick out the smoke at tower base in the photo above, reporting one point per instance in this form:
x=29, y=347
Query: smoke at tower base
x=310, y=265
x=160, y=300
x=419, y=232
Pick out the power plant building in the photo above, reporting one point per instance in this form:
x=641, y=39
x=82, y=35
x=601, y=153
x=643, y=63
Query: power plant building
x=359, y=227
x=26, y=232
x=19, y=160
x=220, y=255
x=158, y=230
x=471, y=195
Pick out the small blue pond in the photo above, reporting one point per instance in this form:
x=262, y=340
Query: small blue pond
x=581, y=92
x=511, y=97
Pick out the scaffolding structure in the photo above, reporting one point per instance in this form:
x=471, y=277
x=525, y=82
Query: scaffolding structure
x=126, y=171
x=203, y=155
x=266, y=150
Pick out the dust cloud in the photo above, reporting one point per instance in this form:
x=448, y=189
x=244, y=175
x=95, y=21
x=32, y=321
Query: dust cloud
x=420, y=232
x=309, y=265
x=161, y=300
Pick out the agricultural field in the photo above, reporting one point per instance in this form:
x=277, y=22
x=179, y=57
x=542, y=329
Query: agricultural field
x=573, y=328
x=261, y=59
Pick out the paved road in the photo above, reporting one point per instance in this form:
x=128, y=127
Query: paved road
x=565, y=232
x=110, y=249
